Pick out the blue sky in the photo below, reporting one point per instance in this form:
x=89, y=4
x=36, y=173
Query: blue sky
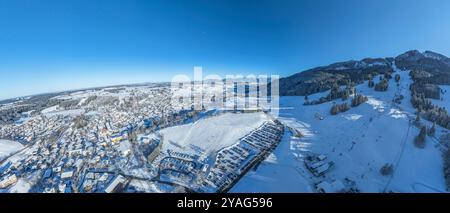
x=53, y=45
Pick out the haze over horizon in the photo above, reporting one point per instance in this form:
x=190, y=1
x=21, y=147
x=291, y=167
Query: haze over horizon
x=49, y=45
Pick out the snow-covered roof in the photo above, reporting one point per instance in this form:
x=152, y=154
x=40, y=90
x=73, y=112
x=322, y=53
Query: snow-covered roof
x=118, y=180
x=333, y=187
x=67, y=174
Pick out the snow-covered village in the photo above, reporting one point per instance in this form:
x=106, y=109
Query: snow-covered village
x=224, y=104
x=385, y=129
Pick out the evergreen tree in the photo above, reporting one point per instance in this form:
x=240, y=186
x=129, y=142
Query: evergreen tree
x=337, y=108
x=432, y=130
x=358, y=99
x=419, y=141
x=382, y=85
x=418, y=117
x=387, y=169
x=446, y=159
x=397, y=77
x=334, y=110
x=371, y=83
x=344, y=107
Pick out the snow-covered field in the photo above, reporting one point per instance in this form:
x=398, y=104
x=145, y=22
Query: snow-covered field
x=8, y=147
x=359, y=141
x=209, y=135
x=54, y=111
x=50, y=109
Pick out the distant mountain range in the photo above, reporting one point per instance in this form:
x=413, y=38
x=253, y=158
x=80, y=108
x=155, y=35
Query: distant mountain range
x=431, y=68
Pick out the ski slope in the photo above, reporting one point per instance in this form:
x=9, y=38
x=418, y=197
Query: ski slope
x=359, y=142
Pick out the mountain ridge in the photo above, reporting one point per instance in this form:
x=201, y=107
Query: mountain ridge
x=436, y=68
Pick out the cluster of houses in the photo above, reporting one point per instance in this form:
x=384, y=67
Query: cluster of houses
x=318, y=165
x=233, y=162
x=63, y=154
x=36, y=127
x=76, y=163
x=91, y=151
x=177, y=164
x=73, y=165
x=265, y=136
x=96, y=180
x=228, y=164
x=180, y=168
